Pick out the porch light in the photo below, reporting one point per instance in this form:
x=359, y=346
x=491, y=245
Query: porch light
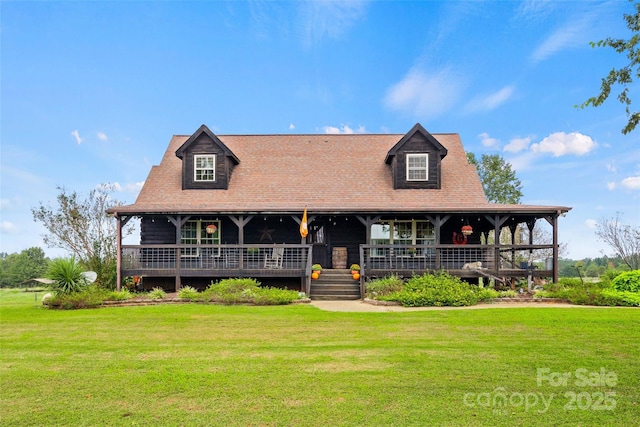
x=467, y=230
x=211, y=229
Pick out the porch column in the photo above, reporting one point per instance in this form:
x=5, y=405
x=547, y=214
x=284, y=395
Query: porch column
x=555, y=247
x=438, y=221
x=178, y=222
x=118, y=252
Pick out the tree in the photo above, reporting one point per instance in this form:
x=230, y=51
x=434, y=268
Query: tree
x=623, y=239
x=623, y=76
x=498, y=179
x=15, y=269
x=82, y=227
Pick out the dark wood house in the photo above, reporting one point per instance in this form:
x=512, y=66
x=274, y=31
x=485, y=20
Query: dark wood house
x=231, y=205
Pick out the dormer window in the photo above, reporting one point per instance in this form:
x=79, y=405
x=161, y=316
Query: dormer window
x=418, y=167
x=204, y=168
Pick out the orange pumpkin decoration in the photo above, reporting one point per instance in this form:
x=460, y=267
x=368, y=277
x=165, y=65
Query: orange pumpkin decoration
x=356, y=276
x=315, y=275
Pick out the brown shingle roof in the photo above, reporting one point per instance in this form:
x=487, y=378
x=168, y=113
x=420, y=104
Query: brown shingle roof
x=325, y=173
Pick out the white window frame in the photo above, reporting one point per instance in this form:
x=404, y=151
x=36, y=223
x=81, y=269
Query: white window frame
x=201, y=237
x=410, y=168
x=207, y=171
x=414, y=240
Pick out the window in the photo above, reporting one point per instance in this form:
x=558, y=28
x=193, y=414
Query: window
x=402, y=233
x=417, y=167
x=194, y=232
x=204, y=167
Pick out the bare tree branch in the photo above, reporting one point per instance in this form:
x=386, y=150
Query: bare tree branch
x=623, y=239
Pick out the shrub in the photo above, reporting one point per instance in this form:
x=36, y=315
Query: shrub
x=628, y=281
x=576, y=292
x=247, y=291
x=123, y=295
x=92, y=296
x=67, y=276
x=380, y=288
x=508, y=294
x=157, y=293
x=274, y=296
x=439, y=289
x=188, y=292
x=623, y=298
x=486, y=294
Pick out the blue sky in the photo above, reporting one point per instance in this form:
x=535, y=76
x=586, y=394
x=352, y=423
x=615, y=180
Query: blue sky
x=91, y=92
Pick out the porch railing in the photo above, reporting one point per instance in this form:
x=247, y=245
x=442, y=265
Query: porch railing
x=186, y=259
x=453, y=257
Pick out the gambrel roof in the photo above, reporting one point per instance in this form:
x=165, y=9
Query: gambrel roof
x=338, y=173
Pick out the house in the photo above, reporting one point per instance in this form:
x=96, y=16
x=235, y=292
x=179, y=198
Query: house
x=231, y=205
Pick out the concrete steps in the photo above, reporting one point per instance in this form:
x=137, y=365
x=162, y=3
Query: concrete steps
x=335, y=284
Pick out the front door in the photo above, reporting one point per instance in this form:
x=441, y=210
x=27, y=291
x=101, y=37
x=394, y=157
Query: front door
x=320, y=256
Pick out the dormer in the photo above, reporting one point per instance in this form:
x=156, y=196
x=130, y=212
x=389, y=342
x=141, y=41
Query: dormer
x=416, y=160
x=206, y=162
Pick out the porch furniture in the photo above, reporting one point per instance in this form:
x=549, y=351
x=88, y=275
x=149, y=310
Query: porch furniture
x=274, y=260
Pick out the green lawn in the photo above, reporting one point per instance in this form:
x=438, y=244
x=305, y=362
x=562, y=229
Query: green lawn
x=296, y=365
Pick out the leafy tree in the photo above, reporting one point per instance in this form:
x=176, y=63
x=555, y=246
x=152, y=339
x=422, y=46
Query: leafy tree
x=18, y=268
x=623, y=76
x=82, y=227
x=498, y=179
x=622, y=238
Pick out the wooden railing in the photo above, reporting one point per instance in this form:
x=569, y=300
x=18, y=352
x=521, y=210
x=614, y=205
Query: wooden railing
x=379, y=258
x=271, y=259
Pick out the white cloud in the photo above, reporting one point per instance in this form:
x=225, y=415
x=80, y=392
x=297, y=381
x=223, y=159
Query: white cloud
x=572, y=34
x=8, y=227
x=488, y=141
x=631, y=183
x=611, y=167
x=424, y=95
x=133, y=187
x=611, y=186
x=591, y=223
x=76, y=135
x=4, y=204
x=102, y=136
x=292, y=126
x=560, y=144
x=345, y=129
x=491, y=101
x=320, y=19
x=518, y=144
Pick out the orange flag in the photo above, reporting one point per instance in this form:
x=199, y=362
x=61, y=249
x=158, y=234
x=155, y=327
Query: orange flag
x=303, y=225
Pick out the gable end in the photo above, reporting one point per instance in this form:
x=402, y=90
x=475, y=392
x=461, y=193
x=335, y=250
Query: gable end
x=416, y=160
x=207, y=163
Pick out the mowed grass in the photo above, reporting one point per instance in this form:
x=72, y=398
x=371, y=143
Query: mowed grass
x=296, y=365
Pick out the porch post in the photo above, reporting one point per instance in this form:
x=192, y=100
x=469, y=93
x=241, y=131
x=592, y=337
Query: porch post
x=555, y=247
x=438, y=222
x=178, y=221
x=119, y=252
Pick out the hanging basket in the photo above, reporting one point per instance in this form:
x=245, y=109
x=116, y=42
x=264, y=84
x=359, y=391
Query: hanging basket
x=211, y=229
x=467, y=230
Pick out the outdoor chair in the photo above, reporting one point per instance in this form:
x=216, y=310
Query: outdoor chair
x=274, y=260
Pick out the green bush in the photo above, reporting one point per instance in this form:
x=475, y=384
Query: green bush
x=623, y=298
x=628, y=281
x=188, y=292
x=439, y=289
x=123, y=295
x=247, y=291
x=486, y=294
x=157, y=293
x=508, y=294
x=379, y=288
x=91, y=296
x=67, y=276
